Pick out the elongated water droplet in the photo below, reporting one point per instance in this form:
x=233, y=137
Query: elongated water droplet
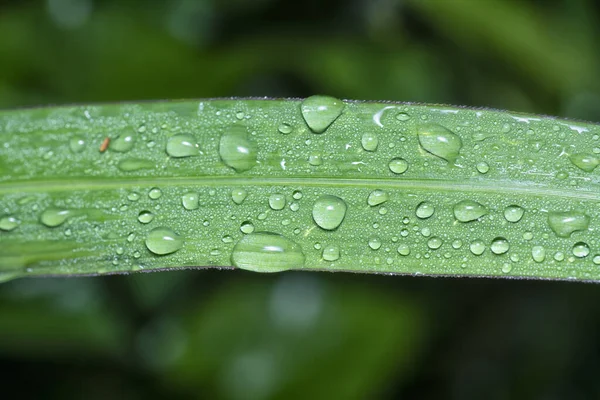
x=513, y=213
x=369, y=141
x=329, y=211
x=237, y=150
x=585, y=162
x=163, y=241
x=538, y=253
x=398, y=165
x=145, y=217
x=563, y=224
x=239, y=195
x=319, y=112
x=53, y=217
x=331, y=252
x=77, y=144
x=402, y=117
x=182, y=146
x=8, y=223
x=440, y=141
x=468, y=210
x=425, y=210
x=135, y=164
x=377, y=197
x=581, y=249
x=267, y=252
x=122, y=143
x=277, y=201
x=477, y=247
x=499, y=245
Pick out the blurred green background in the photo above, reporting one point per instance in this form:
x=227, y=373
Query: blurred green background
x=238, y=335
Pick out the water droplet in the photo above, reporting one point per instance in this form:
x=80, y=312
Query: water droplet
x=538, y=253
x=331, y=252
x=145, y=217
x=77, y=144
x=403, y=250
x=477, y=247
x=585, y=162
x=499, y=245
x=163, y=241
x=329, y=212
x=563, y=224
x=267, y=252
x=320, y=111
x=457, y=244
x=402, y=117
x=559, y=256
x=53, y=217
x=294, y=206
x=286, y=129
x=122, y=143
x=581, y=249
x=425, y=210
x=434, y=243
x=190, y=201
x=315, y=159
x=237, y=150
x=179, y=146
x=227, y=239
x=247, y=227
x=134, y=164
x=155, y=193
x=468, y=210
x=133, y=196
x=239, y=195
x=398, y=165
x=277, y=201
x=377, y=197
x=8, y=223
x=596, y=259
x=513, y=213
x=506, y=268
x=440, y=141
x=369, y=141
x=374, y=243
x=297, y=195
x=483, y=167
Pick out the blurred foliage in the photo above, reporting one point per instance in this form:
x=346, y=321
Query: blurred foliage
x=236, y=335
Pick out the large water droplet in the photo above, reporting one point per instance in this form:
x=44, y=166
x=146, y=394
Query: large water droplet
x=403, y=250
x=434, y=243
x=581, y=249
x=237, y=150
x=122, y=143
x=329, y=211
x=377, y=197
x=369, y=141
x=585, y=162
x=499, y=245
x=440, y=141
x=468, y=210
x=145, y=217
x=398, y=165
x=331, y=252
x=513, y=213
x=190, y=201
x=277, y=201
x=182, y=146
x=155, y=193
x=53, y=217
x=267, y=252
x=163, y=241
x=320, y=111
x=477, y=247
x=375, y=243
x=563, y=224
x=247, y=227
x=8, y=223
x=538, y=253
x=239, y=195
x=77, y=144
x=425, y=210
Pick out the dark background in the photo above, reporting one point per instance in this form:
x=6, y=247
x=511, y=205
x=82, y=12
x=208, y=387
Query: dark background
x=238, y=335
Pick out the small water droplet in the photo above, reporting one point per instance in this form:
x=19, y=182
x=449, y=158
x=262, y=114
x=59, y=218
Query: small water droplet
x=559, y=256
x=320, y=112
x=457, y=244
x=122, y=143
x=468, y=210
x=403, y=250
x=477, y=247
x=434, y=243
x=284, y=128
x=277, y=201
x=369, y=141
x=506, y=268
x=402, y=117
x=374, y=243
x=267, y=252
x=513, y=213
x=527, y=235
x=8, y=223
x=329, y=212
x=538, y=253
x=163, y=241
x=155, y=193
x=238, y=195
x=297, y=195
x=377, y=197
x=425, y=210
x=596, y=259
x=227, y=239
x=77, y=144
x=398, y=165
x=182, y=145
x=247, y=227
x=315, y=159
x=483, y=167
x=499, y=245
x=53, y=217
x=581, y=249
x=145, y=217
x=563, y=224
x=133, y=196
x=331, y=252
x=190, y=201
x=585, y=162
x=237, y=150
x=134, y=164
x=439, y=141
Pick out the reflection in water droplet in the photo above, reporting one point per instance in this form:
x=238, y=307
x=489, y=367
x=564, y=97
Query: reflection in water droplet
x=238, y=195
x=163, y=241
x=145, y=217
x=398, y=165
x=513, y=213
x=538, y=253
x=8, y=223
x=53, y=217
x=320, y=112
x=77, y=144
x=237, y=150
x=182, y=146
x=277, y=201
x=190, y=201
x=468, y=210
x=425, y=210
x=439, y=141
x=581, y=249
x=499, y=245
x=267, y=252
x=377, y=197
x=369, y=141
x=477, y=247
x=329, y=212
x=331, y=252
x=585, y=162
x=122, y=143
x=563, y=224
